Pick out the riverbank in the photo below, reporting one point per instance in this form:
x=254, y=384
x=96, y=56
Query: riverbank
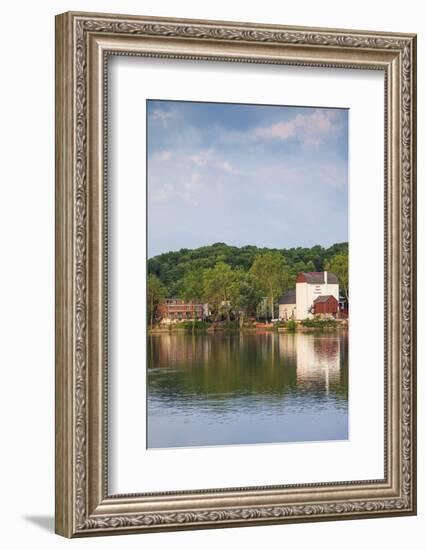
x=308, y=325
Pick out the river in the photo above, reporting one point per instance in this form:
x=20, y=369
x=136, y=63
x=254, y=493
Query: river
x=231, y=388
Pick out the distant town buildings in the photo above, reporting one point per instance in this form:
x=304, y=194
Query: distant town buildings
x=175, y=309
x=316, y=293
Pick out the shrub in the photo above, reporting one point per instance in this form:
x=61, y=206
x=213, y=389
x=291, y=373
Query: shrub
x=231, y=325
x=291, y=325
x=198, y=325
x=319, y=323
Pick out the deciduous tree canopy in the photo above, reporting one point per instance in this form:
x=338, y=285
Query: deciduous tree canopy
x=338, y=264
x=171, y=267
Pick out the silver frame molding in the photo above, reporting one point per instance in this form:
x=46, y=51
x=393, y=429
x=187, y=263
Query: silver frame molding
x=83, y=43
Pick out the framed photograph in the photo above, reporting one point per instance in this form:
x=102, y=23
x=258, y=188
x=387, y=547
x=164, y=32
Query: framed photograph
x=235, y=274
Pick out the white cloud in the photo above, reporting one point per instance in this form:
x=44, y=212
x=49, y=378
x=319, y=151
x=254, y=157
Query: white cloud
x=191, y=189
x=161, y=116
x=282, y=181
x=333, y=174
x=193, y=182
x=210, y=159
x=260, y=191
x=162, y=193
x=226, y=166
x=310, y=129
x=187, y=186
x=162, y=155
x=202, y=158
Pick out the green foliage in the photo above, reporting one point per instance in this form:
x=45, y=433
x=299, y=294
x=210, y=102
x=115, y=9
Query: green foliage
x=218, y=282
x=272, y=273
x=190, y=325
x=246, y=294
x=155, y=294
x=338, y=264
x=192, y=286
x=319, y=323
x=291, y=325
x=230, y=325
x=192, y=290
x=171, y=267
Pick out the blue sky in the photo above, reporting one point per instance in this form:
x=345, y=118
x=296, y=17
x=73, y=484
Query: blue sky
x=245, y=174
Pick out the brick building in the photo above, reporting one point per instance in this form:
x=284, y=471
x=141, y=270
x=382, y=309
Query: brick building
x=175, y=309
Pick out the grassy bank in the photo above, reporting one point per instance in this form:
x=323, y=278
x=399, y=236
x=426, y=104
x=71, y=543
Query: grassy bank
x=307, y=325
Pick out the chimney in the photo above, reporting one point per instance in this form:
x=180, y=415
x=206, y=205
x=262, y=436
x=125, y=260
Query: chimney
x=325, y=273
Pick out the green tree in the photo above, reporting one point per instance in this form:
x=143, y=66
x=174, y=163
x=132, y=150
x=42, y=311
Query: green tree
x=155, y=294
x=171, y=267
x=246, y=294
x=271, y=272
x=217, y=286
x=300, y=267
x=192, y=289
x=338, y=264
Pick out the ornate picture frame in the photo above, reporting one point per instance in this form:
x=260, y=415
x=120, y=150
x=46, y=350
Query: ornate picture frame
x=84, y=42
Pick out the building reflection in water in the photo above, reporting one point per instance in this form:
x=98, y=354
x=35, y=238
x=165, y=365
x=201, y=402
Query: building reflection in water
x=318, y=361
x=228, y=388
x=262, y=362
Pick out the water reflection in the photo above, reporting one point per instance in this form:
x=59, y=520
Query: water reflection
x=231, y=388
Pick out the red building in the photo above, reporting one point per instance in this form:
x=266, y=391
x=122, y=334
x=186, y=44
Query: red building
x=176, y=309
x=325, y=305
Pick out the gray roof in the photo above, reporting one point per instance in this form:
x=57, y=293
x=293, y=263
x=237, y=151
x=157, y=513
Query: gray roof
x=318, y=277
x=289, y=297
x=322, y=299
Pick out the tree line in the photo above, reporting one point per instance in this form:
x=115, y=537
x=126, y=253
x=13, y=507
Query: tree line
x=235, y=280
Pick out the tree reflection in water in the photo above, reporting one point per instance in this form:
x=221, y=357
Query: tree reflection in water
x=235, y=388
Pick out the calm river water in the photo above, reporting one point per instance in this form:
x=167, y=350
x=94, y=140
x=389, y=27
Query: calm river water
x=231, y=388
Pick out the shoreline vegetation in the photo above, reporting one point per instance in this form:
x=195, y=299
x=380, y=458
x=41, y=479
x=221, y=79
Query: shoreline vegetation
x=238, y=288
x=291, y=326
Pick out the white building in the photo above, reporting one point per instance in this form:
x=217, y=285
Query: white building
x=310, y=286
x=288, y=306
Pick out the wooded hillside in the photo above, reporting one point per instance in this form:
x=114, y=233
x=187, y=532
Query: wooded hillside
x=171, y=267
